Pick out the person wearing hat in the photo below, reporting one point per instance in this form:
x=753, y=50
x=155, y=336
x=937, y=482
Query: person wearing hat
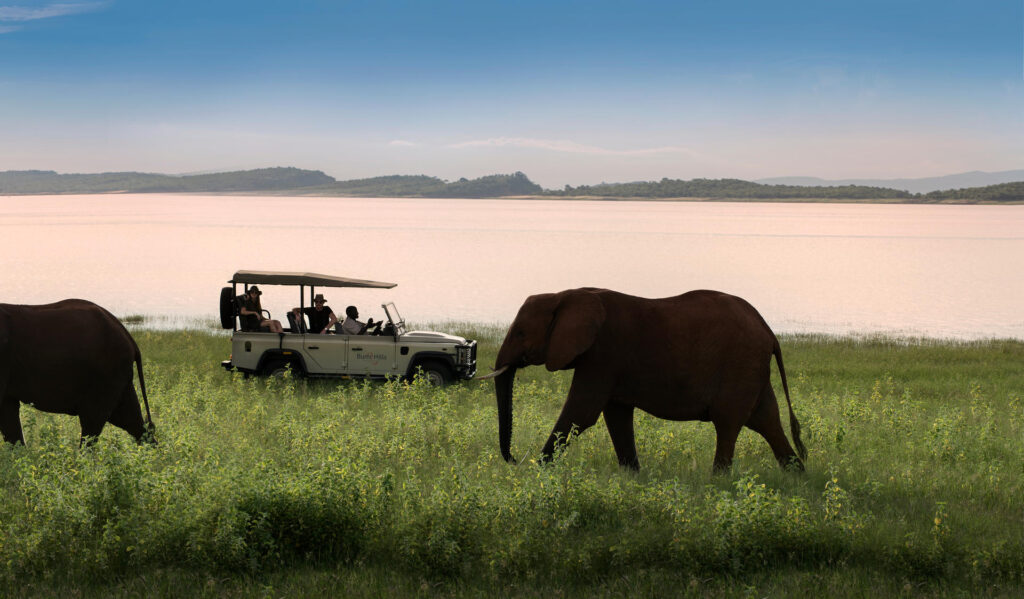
x=252, y=313
x=321, y=317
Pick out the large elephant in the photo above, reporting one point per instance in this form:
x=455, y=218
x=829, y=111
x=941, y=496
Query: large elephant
x=703, y=355
x=72, y=357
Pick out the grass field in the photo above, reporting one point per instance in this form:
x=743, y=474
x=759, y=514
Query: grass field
x=288, y=487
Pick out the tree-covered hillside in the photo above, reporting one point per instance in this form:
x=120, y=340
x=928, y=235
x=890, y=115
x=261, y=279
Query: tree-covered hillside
x=492, y=186
x=1004, y=192
x=390, y=186
x=280, y=180
x=729, y=188
x=264, y=179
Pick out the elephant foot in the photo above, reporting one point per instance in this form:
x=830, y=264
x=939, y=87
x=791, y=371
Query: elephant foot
x=720, y=469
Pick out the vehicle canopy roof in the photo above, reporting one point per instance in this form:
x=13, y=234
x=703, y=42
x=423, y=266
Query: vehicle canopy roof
x=266, y=277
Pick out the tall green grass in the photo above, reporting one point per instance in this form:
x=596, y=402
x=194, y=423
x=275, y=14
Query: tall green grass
x=914, y=475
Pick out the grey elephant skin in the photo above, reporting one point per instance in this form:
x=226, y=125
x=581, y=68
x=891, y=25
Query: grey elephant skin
x=703, y=355
x=72, y=357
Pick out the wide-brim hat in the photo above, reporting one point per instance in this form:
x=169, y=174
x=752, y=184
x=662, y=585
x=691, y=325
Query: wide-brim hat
x=319, y=298
x=255, y=289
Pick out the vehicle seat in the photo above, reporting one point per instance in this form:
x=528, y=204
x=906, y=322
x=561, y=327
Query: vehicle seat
x=239, y=302
x=298, y=325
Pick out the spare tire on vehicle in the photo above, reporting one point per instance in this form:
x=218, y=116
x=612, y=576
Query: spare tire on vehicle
x=227, y=307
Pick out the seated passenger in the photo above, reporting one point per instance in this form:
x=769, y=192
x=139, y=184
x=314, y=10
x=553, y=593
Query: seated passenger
x=252, y=314
x=351, y=326
x=321, y=317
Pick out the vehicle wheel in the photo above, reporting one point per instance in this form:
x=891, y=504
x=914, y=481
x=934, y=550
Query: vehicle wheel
x=436, y=373
x=227, y=307
x=275, y=368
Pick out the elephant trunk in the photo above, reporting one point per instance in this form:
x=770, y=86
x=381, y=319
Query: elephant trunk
x=503, y=391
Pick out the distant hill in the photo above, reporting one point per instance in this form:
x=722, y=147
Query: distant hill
x=730, y=188
x=922, y=185
x=289, y=180
x=278, y=179
x=390, y=186
x=490, y=186
x=264, y=179
x=1004, y=192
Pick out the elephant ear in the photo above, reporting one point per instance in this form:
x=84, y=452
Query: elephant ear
x=574, y=329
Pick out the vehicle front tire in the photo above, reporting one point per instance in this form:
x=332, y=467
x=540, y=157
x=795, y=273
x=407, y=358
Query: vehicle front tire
x=436, y=373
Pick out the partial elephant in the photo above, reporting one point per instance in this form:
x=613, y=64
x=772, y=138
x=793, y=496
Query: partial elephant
x=703, y=355
x=72, y=357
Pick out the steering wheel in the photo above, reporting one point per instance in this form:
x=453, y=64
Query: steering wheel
x=376, y=328
x=365, y=330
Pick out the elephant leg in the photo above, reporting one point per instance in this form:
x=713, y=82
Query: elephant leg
x=725, y=446
x=580, y=412
x=92, y=425
x=10, y=421
x=128, y=416
x=619, y=420
x=765, y=421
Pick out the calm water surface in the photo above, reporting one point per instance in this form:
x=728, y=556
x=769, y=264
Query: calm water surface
x=938, y=271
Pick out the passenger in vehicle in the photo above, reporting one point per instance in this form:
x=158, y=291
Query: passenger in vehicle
x=352, y=326
x=252, y=314
x=321, y=317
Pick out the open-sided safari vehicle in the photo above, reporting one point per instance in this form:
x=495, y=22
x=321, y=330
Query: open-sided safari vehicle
x=387, y=351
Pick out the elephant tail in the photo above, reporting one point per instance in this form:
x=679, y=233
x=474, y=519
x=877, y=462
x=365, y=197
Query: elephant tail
x=794, y=425
x=142, y=386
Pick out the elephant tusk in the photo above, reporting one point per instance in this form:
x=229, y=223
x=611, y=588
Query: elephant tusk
x=493, y=374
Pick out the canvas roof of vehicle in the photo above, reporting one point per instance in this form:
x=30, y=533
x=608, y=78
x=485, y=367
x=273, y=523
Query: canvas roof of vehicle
x=266, y=277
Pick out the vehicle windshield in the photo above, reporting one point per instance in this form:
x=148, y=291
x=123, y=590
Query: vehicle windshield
x=394, y=317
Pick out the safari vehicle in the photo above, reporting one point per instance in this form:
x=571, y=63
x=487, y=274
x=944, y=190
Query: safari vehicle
x=386, y=351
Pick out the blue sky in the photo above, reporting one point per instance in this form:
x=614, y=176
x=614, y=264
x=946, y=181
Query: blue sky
x=569, y=92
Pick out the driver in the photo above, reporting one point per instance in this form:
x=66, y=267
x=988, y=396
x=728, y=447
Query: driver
x=352, y=326
x=321, y=317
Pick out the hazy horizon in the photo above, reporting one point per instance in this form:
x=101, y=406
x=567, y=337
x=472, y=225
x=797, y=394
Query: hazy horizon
x=568, y=93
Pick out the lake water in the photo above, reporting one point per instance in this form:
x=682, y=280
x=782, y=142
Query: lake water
x=936, y=271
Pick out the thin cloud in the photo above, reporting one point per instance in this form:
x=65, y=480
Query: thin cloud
x=34, y=13
x=402, y=143
x=8, y=28
x=568, y=147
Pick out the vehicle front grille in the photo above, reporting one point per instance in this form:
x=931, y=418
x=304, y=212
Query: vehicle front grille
x=467, y=354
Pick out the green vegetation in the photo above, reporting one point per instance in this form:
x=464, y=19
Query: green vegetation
x=394, y=186
x=731, y=188
x=292, y=487
x=491, y=186
x=264, y=179
x=303, y=182
x=267, y=180
x=1004, y=192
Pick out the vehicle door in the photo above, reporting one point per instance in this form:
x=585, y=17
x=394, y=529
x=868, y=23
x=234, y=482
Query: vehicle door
x=372, y=355
x=328, y=353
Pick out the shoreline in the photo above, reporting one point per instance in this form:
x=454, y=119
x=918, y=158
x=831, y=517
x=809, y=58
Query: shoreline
x=495, y=331
x=320, y=194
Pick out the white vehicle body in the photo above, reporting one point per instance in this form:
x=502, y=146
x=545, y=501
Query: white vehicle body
x=392, y=353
